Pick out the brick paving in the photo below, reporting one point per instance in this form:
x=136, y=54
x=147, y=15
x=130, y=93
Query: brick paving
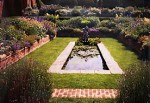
x=84, y=93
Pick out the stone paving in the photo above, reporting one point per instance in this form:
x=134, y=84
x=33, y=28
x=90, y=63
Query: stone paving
x=62, y=58
x=84, y=93
x=110, y=62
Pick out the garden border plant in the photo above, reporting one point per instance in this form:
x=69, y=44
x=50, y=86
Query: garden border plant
x=25, y=81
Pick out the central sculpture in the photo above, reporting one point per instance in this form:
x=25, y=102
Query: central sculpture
x=85, y=34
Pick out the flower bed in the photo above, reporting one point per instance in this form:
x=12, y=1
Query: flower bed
x=12, y=58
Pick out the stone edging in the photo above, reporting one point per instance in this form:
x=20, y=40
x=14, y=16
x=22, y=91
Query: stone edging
x=110, y=62
x=57, y=66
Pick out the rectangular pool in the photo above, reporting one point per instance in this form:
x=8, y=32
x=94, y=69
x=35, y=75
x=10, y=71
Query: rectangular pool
x=85, y=58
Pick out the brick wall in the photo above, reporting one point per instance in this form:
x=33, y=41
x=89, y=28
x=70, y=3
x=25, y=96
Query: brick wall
x=14, y=7
x=1, y=7
x=21, y=53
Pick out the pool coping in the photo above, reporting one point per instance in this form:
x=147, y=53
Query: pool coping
x=113, y=66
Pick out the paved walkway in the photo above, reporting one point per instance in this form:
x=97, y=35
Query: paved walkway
x=84, y=93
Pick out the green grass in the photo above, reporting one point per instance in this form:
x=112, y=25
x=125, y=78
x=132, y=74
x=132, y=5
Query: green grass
x=48, y=53
x=122, y=55
x=85, y=81
x=77, y=100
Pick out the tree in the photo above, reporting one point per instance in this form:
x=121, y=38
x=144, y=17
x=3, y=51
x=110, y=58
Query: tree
x=68, y=3
x=86, y=3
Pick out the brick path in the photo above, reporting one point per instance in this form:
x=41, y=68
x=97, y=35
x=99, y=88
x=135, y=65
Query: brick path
x=84, y=93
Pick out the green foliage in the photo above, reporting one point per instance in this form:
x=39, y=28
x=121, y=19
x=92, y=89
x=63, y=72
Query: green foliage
x=75, y=12
x=63, y=12
x=34, y=30
x=135, y=84
x=31, y=39
x=79, y=42
x=80, y=22
x=30, y=26
x=103, y=29
x=91, y=41
x=19, y=24
x=107, y=23
x=94, y=21
x=94, y=41
x=85, y=22
x=143, y=29
x=29, y=11
x=11, y=33
x=26, y=81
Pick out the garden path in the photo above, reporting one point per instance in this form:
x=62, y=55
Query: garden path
x=84, y=93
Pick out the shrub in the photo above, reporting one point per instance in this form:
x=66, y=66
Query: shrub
x=91, y=41
x=135, y=85
x=63, y=12
x=94, y=21
x=95, y=10
x=11, y=33
x=75, y=12
x=104, y=29
x=31, y=39
x=94, y=41
x=80, y=22
x=29, y=11
x=25, y=81
x=51, y=9
x=51, y=18
x=74, y=22
x=34, y=30
x=107, y=23
x=85, y=23
x=143, y=29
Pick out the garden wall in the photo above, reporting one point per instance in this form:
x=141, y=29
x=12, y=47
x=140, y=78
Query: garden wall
x=12, y=58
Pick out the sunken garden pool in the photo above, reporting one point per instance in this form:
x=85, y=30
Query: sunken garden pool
x=85, y=57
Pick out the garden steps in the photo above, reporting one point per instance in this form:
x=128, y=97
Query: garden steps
x=84, y=93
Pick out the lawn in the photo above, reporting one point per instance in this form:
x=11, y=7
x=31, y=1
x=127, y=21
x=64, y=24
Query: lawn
x=77, y=100
x=48, y=53
x=122, y=54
